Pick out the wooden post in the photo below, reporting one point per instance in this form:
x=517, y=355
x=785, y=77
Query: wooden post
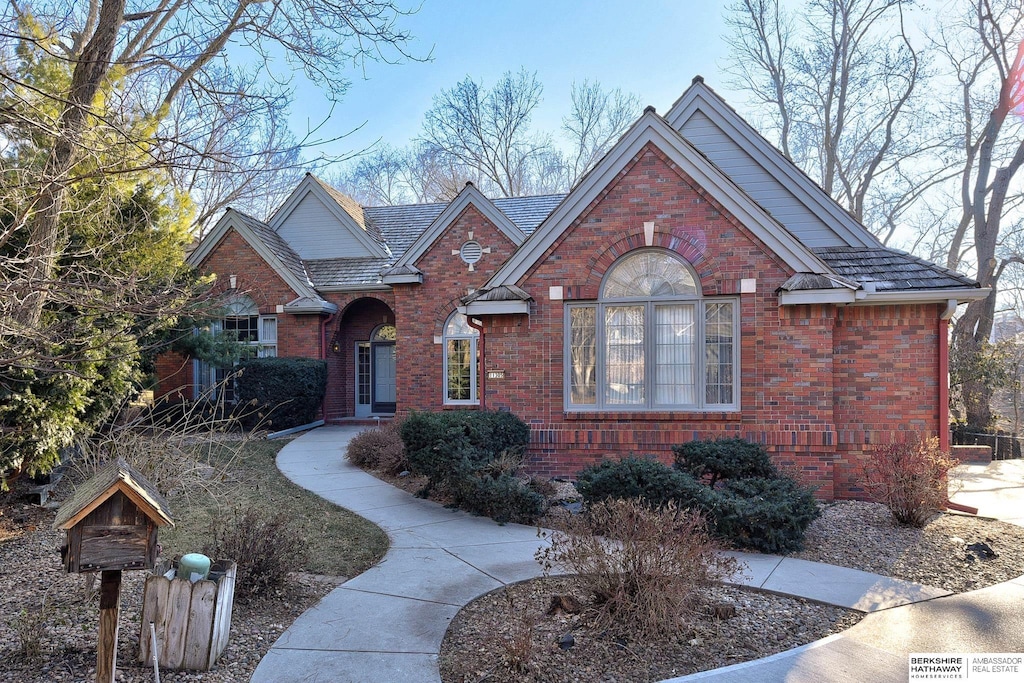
x=106, y=644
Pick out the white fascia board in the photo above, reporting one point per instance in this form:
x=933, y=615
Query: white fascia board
x=817, y=296
x=700, y=97
x=469, y=195
x=927, y=296
x=338, y=289
x=308, y=185
x=651, y=128
x=404, y=279
x=231, y=220
x=495, y=308
x=311, y=308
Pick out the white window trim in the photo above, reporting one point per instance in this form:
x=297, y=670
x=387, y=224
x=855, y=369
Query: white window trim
x=205, y=374
x=474, y=398
x=649, y=406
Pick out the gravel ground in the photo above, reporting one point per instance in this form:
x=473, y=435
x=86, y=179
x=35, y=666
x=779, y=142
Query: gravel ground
x=507, y=636
x=41, y=603
x=57, y=618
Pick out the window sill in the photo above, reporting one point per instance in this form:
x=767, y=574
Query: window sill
x=654, y=415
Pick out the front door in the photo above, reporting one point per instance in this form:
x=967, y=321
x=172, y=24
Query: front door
x=375, y=373
x=383, y=395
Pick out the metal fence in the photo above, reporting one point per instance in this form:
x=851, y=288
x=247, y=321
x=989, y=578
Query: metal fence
x=1004, y=446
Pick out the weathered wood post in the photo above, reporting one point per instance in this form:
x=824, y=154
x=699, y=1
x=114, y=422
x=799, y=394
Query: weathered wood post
x=111, y=523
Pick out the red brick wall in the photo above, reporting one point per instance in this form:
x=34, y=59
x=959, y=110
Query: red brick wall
x=887, y=382
x=422, y=310
x=297, y=335
x=795, y=361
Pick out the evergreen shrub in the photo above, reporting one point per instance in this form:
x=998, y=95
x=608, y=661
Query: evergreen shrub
x=285, y=392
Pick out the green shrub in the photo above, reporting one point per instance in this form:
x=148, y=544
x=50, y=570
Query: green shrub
x=287, y=391
x=503, y=498
x=769, y=515
x=474, y=455
x=744, y=497
x=633, y=477
x=379, y=449
x=713, y=461
x=453, y=444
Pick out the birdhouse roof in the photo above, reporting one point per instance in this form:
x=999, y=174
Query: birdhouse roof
x=116, y=476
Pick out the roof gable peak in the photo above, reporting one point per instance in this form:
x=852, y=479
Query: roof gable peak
x=651, y=128
x=701, y=98
x=469, y=196
x=347, y=212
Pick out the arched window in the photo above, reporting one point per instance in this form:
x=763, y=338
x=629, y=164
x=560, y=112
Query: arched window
x=241, y=322
x=460, y=360
x=651, y=341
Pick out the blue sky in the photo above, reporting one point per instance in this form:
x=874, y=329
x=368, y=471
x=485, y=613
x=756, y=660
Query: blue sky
x=652, y=48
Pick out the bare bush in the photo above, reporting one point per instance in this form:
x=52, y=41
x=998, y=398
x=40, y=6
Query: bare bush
x=910, y=478
x=516, y=638
x=264, y=546
x=29, y=626
x=644, y=568
x=182, y=449
x=379, y=449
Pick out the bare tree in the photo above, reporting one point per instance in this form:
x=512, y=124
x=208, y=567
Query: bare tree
x=489, y=130
x=109, y=111
x=158, y=55
x=985, y=50
x=840, y=81
x=596, y=121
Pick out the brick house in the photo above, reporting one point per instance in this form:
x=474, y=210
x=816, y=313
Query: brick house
x=695, y=284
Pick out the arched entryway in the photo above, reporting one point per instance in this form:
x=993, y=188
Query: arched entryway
x=361, y=366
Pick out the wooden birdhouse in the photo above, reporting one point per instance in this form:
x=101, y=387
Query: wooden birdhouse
x=111, y=521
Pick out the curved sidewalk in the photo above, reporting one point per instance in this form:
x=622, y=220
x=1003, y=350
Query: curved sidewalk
x=387, y=624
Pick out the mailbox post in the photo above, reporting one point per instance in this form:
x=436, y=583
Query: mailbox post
x=111, y=523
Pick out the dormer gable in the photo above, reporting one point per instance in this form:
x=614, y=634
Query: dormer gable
x=267, y=244
x=762, y=171
x=319, y=222
x=405, y=272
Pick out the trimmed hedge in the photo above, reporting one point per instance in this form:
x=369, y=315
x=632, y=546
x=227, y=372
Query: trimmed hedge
x=285, y=392
x=714, y=461
x=634, y=477
x=747, y=501
x=473, y=455
x=451, y=444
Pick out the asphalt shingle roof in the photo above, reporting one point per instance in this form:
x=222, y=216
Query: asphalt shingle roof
x=282, y=250
x=399, y=226
x=340, y=272
x=890, y=269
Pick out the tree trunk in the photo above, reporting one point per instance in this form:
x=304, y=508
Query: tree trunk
x=45, y=247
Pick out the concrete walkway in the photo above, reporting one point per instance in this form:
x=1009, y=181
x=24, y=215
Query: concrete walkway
x=387, y=623
x=989, y=620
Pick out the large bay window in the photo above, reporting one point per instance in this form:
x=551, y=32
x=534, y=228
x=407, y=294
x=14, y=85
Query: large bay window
x=651, y=341
x=460, y=361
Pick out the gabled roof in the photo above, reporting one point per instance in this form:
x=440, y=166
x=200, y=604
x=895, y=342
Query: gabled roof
x=116, y=476
x=346, y=211
x=701, y=98
x=653, y=129
x=470, y=196
x=265, y=242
